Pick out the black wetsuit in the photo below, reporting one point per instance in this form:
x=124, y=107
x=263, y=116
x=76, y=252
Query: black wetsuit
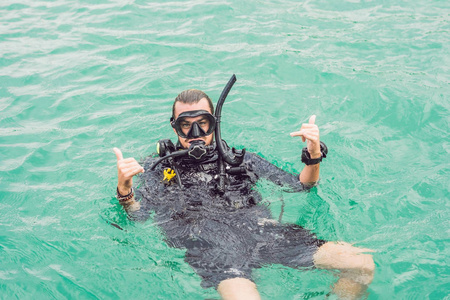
x=226, y=234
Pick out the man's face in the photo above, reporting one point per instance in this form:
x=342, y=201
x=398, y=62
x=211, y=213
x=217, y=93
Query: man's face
x=187, y=121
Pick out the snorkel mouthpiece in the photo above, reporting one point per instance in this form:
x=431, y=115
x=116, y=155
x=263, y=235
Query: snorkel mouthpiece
x=166, y=150
x=197, y=149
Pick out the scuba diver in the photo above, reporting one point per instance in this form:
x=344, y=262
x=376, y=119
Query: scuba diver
x=204, y=199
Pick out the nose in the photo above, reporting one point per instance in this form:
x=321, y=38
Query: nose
x=196, y=131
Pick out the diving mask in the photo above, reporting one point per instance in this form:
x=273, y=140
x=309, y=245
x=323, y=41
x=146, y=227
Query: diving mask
x=202, y=126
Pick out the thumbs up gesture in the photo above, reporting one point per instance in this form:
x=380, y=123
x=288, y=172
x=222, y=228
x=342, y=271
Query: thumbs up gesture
x=310, y=133
x=126, y=168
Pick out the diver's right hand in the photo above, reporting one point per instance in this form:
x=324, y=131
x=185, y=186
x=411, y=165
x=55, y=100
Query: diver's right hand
x=126, y=168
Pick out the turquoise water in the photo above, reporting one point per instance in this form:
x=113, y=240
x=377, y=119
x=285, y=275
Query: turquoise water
x=78, y=78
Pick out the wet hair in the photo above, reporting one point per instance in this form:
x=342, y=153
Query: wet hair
x=192, y=96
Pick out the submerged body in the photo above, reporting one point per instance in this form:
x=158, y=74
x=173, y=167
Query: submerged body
x=226, y=234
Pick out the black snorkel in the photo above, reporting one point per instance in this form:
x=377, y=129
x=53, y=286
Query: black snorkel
x=235, y=157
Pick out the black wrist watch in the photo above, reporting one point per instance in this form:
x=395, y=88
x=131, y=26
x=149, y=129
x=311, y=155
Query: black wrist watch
x=306, y=157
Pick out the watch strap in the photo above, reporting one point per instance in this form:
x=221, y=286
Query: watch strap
x=306, y=157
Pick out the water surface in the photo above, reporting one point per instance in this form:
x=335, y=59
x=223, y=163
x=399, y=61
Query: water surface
x=78, y=78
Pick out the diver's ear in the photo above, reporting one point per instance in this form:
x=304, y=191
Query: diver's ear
x=172, y=123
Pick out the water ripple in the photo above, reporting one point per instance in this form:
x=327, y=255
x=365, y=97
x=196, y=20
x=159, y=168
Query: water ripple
x=78, y=78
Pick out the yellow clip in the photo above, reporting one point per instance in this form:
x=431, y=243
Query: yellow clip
x=169, y=174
